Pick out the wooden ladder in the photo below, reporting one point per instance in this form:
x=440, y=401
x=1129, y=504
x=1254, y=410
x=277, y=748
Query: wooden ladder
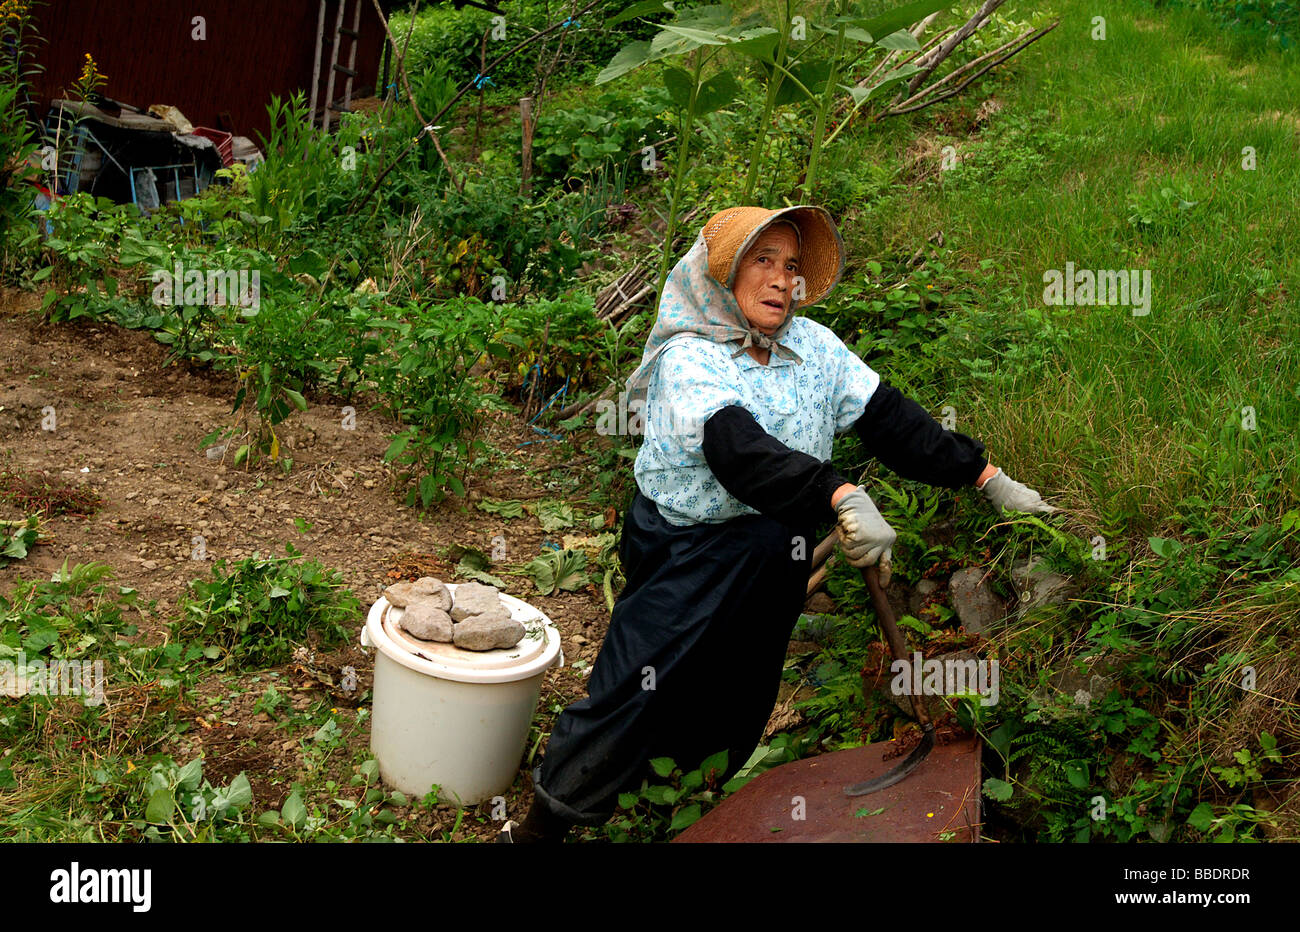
x=335, y=68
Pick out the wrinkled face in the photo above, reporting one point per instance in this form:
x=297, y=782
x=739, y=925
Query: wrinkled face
x=766, y=276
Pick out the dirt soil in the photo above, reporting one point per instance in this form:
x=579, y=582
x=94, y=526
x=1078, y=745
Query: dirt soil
x=129, y=429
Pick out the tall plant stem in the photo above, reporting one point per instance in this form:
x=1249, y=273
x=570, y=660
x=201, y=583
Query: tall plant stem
x=827, y=96
x=683, y=152
x=756, y=152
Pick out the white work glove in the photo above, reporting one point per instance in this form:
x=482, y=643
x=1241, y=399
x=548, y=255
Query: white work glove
x=1005, y=492
x=865, y=537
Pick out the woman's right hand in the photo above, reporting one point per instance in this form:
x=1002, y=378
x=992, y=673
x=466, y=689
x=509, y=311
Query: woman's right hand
x=865, y=537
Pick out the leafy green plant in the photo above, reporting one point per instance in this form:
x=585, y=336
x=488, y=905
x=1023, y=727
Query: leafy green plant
x=17, y=537
x=428, y=389
x=559, y=569
x=1162, y=209
x=259, y=608
x=179, y=805
x=83, y=231
x=655, y=811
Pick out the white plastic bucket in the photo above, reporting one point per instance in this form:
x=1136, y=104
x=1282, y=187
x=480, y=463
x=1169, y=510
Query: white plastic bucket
x=453, y=717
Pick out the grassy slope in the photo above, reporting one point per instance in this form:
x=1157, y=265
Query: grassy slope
x=1161, y=100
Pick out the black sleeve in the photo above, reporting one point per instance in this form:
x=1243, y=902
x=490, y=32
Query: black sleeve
x=787, y=485
x=902, y=435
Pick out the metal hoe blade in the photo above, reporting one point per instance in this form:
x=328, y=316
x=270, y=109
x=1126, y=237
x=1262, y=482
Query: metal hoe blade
x=910, y=763
x=898, y=647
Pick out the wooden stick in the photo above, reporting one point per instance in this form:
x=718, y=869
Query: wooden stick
x=334, y=58
x=526, y=169
x=315, y=70
x=943, y=51
x=1029, y=39
x=818, y=579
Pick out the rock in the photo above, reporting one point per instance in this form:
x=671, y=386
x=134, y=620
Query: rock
x=1036, y=585
x=1089, y=679
x=488, y=631
x=819, y=603
x=425, y=589
x=924, y=589
x=939, y=533
x=977, y=607
x=475, y=599
x=427, y=622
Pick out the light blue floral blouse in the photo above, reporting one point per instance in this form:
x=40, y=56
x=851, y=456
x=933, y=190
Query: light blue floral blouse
x=801, y=405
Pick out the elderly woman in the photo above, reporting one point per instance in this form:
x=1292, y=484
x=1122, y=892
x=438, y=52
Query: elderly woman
x=742, y=400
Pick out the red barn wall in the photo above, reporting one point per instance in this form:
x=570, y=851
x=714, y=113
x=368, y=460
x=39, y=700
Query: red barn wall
x=253, y=49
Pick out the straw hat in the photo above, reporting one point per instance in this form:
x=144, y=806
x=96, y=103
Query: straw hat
x=729, y=233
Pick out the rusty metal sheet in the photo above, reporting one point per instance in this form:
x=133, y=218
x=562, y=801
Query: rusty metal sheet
x=804, y=801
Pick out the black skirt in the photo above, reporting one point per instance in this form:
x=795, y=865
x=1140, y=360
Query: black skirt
x=692, y=661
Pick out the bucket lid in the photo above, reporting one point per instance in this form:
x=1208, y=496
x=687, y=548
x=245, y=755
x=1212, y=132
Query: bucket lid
x=535, y=652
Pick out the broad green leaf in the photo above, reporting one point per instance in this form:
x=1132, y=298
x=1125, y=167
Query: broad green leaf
x=716, y=93
x=469, y=572
x=1076, y=771
x=553, y=515
x=506, y=508
x=813, y=76
x=758, y=43
x=192, y=774
x=161, y=806
x=663, y=766
x=39, y=636
x=1201, y=817
x=685, y=817
x=901, y=17
x=294, y=812
x=679, y=83
x=396, y=447
x=558, y=569
x=853, y=33
x=644, y=8
x=660, y=795
x=714, y=17
x=713, y=765
x=696, y=36
x=996, y=789
x=901, y=41
x=629, y=57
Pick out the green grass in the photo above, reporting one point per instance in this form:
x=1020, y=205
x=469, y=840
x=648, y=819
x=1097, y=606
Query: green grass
x=1140, y=411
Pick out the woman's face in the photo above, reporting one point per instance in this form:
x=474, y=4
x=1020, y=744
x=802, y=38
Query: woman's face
x=766, y=276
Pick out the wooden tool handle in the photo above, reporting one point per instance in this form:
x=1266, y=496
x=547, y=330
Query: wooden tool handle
x=871, y=575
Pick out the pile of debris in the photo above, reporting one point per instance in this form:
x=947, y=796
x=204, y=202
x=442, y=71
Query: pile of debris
x=145, y=157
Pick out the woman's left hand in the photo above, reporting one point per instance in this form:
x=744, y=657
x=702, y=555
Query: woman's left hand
x=1005, y=492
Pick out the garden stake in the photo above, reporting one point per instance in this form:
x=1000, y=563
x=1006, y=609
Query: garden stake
x=871, y=575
